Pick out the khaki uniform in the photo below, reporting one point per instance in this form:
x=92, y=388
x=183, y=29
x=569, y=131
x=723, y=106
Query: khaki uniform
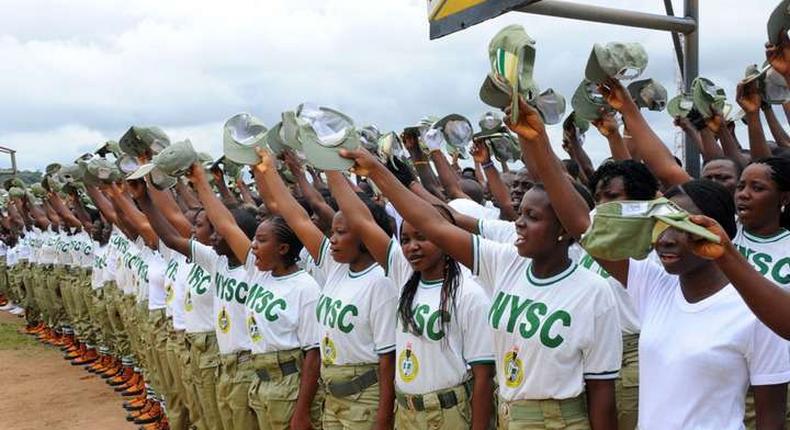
x=236, y=374
x=357, y=411
x=427, y=411
x=567, y=414
x=204, y=361
x=627, y=385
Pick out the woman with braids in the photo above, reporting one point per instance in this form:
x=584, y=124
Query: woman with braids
x=700, y=346
x=356, y=311
x=556, y=333
x=442, y=329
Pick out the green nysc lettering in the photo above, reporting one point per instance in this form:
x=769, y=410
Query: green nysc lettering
x=198, y=279
x=779, y=272
x=264, y=302
x=333, y=313
x=429, y=322
x=534, y=318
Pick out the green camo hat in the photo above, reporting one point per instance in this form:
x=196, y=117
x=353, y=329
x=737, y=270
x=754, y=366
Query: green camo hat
x=138, y=140
x=551, y=106
x=707, y=97
x=576, y=122
x=174, y=161
x=16, y=192
x=754, y=72
x=102, y=170
x=243, y=135
x=289, y=130
x=323, y=132
x=457, y=132
x=388, y=147
x=680, y=106
x=648, y=93
x=273, y=139
x=229, y=168
x=497, y=137
x=587, y=101
x=38, y=191
x=108, y=147
x=628, y=229
x=13, y=182
x=71, y=173
x=778, y=22
x=617, y=60
x=511, y=53
x=52, y=169
x=369, y=137
x=775, y=90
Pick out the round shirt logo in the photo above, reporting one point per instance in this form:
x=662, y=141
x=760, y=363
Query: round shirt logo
x=328, y=350
x=408, y=364
x=188, y=301
x=252, y=328
x=513, y=369
x=223, y=321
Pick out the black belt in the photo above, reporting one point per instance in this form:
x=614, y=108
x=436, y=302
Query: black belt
x=287, y=368
x=355, y=385
x=447, y=399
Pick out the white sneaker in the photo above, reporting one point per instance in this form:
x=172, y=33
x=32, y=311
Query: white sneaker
x=17, y=311
x=7, y=307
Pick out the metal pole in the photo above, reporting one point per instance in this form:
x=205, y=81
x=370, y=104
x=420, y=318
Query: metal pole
x=691, y=71
x=13, y=162
x=565, y=9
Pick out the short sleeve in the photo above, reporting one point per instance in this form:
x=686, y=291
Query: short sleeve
x=603, y=356
x=325, y=263
x=398, y=268
x=204, y=256
x=473, y=317
x=382, y=317
x=492, y=261
x=309, y=329
x=497, y=230
x=768, y=357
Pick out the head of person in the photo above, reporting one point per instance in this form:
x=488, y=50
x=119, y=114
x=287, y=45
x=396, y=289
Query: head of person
x=472, y=188
x=623, y=180
x=722, y=170
x=345, y=245
x=762, y=196
x=202, y=230
x=539, y=231
x=275, y=245
x=424, y=257
x=522, y=182
x=245, y=219
x=468, y=173
x=700, y=197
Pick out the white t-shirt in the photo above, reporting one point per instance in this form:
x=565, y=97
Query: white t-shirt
x=696, y=360
x=356, y=312
x=198, y=300
x=99, y=264
x=438, y=357
x=505, y=232
x=549, y=334
x=231, y=289
x=473, y=209
x=281, y=310
x=157, y=295
x=47, y=252
x=307, y=263
x=768, y=255
x=175, y=285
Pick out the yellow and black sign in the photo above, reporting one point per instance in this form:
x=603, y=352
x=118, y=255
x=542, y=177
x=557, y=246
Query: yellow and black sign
x=449, y=16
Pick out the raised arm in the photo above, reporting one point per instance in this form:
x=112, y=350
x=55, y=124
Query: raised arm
x=447, y=176
x=64, y=212
x=169, y=235
x=167, y=206
x=279, y=200
x=219, y=214
x=316, y=201
x=219, y=180
x=244, y=191
x=570, y=207
x=499, y=191
x=186, y=195
x=748, y=96
x=102, y=203
x=418, y=212
x=777, y=131
x=422, y=165
x=732, y=149
x=607, y=126
x=133, y=217
x=650, y=148
x=358, y=217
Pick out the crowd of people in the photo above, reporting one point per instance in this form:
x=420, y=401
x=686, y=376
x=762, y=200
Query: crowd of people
x=364, y=280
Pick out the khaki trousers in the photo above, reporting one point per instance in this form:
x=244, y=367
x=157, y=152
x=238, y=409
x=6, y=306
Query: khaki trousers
x=236, y=373
x=204, y=364
x=434, y=416
x=567, y=414
x=355, y=412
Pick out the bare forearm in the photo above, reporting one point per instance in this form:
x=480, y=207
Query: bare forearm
x=447, y=176
x=424, y=171
x=499, y=192
x=384, y=418
x=601, y=404
x=758, y=147
x=308, y=381
x=706, y=142
x=651, y=149
x=777, y=131
x=167, y=205
x=186, y=194
x=617, y=147
x=731, y=147
x=103, y=204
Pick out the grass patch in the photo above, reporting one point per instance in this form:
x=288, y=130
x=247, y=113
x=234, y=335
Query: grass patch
x=11, y=339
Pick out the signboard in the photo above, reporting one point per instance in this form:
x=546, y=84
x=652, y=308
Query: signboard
x=449, y=16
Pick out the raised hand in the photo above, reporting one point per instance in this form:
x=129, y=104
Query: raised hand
x=748, y=96
x=480, y=152
x=615, y=94
x=529, y=125
x=705, y=248
x=136, y=188
x=293, y=162
x=364, y=161
x=266, y=163
x=607, y=123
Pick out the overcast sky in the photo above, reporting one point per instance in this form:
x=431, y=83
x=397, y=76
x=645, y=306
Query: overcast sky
x=74, y=73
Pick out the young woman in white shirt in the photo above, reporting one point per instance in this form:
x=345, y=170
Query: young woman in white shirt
x=356, y=312
x=700, y=346
x=441, y=329
x=556, y=332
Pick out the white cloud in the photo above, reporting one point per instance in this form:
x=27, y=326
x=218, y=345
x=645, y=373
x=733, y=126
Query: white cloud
x=80, y=71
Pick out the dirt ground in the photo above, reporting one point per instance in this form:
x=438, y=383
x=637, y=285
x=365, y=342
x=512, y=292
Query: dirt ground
x=40, y=390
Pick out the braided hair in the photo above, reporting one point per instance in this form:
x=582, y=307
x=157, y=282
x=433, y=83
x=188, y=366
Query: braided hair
x=451, y=281
x=286, y=235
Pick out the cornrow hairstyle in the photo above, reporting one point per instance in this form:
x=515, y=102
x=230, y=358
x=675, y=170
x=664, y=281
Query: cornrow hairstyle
x=450, y=284
x=712, y=199
x=639, y=183
x=780, y=174
x=285, y=235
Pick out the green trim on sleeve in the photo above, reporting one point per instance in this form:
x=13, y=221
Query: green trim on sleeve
x=476, y=255
x=321, y=250
x=389, y=258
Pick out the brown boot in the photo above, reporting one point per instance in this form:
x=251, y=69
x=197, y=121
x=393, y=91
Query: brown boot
x=89, y=356
x=135, y=380
x=153, y=415
x=75, y=352
x=135, y=404
x=133, y=415
x=113, y=369
x=122, y=377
